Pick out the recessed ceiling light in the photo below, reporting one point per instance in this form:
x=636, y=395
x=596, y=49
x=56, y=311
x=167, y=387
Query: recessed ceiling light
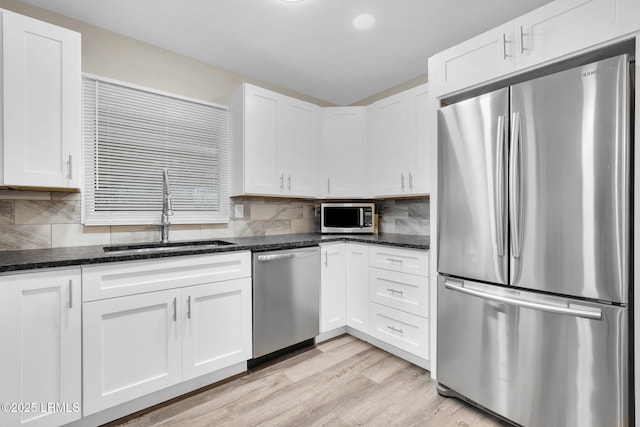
x=364, y=21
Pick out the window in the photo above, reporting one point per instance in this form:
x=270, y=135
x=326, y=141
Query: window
x=131, y=135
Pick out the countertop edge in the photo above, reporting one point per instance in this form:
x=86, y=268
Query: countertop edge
x=65, y=257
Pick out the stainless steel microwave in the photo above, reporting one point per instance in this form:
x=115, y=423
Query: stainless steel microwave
x=347, y=217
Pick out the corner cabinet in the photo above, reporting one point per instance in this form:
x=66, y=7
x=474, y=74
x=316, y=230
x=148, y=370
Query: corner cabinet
x=274, y=144
x=343, y=142
x=40, y=331
x=41, y=94
x=397, y=145
x=357, y=285
x=332, y=287
x=148, y=325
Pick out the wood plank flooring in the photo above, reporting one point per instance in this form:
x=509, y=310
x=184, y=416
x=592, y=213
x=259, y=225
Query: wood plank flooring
x=341, y=382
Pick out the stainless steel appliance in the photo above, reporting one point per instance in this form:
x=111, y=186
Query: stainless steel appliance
x=534, y=224
x=347, y=217
x=286, y=298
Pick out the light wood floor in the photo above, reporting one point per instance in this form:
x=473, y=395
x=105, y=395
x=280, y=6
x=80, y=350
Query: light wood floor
x=341, y=382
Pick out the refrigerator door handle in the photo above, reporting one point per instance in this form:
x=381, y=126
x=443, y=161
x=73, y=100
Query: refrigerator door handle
x=500, y=188
x=514, y=185
x=595, y=314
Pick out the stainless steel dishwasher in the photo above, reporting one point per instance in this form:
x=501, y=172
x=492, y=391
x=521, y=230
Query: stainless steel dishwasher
x=286, y=298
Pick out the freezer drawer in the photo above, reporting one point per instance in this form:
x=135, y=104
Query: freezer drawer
x=534, y=359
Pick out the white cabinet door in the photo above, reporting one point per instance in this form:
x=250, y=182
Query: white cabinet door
x=40, y=316
x=358, y=286
x=342, y=152
x=332, y=287
x=262, y=112
x=565, y=26
x=131, y=347
x=297, y=156
x=216, y=326
x=399, y=145
x=477, y=60
x=274, y=144
x=388, y=146
x=41, y=83
x=425, y=146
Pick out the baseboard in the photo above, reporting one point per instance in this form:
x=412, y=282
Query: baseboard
x=149, y=400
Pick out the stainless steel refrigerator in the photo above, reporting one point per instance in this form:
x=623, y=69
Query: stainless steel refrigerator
x=534, y=228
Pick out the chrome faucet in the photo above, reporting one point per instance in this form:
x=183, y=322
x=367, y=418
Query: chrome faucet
x=166, y=206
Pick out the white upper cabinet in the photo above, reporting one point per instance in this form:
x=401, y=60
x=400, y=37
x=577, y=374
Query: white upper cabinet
x=388, y=146
x=41, y=94
x=480, y=59
x=342, y=152
x=424, y=149
x=274, y=139
x=558, y=28
x=297, y=149
x=565, y=26
x=397, y=145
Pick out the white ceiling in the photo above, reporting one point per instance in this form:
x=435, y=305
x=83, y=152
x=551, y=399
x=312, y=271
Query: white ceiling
x=310, y=46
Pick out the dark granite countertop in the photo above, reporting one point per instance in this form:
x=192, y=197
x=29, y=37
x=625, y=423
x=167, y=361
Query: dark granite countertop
x=82, y=255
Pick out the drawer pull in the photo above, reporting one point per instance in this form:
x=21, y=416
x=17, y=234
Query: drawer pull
x=394, y=329
x=393, y=291
x=393, y=260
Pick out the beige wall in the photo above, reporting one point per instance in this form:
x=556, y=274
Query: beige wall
x=112, y=55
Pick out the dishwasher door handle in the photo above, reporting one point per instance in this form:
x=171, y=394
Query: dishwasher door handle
x=274, y=257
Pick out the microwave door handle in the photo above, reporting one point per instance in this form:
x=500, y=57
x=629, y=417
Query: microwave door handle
x=361, y=217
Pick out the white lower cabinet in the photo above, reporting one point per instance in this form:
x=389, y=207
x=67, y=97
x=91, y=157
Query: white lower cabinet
x=141, y=343
x=400, y=329
x=357, y=272
x=399, y=298
x=332, y=287
x=132, y=347
x=386, y=290
x=216, y=327
x=403, y=291
x=40, y=373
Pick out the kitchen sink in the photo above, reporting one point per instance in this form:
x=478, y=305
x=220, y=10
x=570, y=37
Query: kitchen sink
x=149, y=248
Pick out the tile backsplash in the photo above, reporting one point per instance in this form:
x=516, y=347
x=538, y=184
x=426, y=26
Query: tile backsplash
x=37, y=220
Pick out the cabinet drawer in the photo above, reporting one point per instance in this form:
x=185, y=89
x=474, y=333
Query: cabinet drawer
x=406, y=292
x=133, y=277
x=402, y=260
x=403, y=330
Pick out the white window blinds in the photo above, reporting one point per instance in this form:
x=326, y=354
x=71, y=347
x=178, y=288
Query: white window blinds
x=131, y=134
